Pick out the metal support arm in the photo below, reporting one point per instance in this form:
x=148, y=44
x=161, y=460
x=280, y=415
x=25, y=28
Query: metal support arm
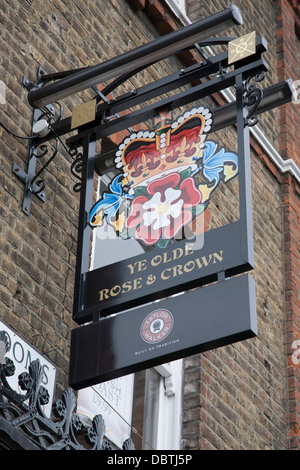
x=32, y=180
x=147, y=54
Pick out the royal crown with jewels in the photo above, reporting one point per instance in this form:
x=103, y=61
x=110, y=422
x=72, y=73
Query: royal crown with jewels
x=165, y=179
x=147, y=155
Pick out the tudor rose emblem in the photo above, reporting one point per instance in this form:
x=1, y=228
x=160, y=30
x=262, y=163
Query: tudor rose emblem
x=166, y=178
x=157, y=326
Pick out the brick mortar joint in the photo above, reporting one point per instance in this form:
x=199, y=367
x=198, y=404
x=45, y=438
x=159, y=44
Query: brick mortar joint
x=164, y=12
x=294, y=4
x=296, y=7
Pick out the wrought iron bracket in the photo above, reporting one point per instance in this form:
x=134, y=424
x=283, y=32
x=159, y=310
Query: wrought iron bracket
x=22, y=417
x=252, y=97
x=31, y=179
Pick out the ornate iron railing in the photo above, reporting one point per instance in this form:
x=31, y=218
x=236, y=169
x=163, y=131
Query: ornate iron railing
x=24, y=425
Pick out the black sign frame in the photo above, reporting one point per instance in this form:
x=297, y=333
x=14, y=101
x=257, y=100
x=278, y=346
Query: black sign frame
x=99, y=351
x=238, y=234
x=120, y=345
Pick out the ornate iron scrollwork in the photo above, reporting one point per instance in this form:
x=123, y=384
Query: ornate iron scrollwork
x=42, y=121
x=34, y=184
x=38, y=185
x=252, y=97
x=24, y=415
x=76, y=167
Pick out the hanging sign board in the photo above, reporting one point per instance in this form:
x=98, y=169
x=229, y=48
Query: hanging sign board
x=151, y=249
x=150, y=243
x=148, y=221
x=171, y=227
x=156, y=273
x=183, y=325
x=22, y=354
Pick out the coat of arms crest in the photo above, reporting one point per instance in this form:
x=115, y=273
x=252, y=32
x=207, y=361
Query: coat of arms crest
x=158, y=191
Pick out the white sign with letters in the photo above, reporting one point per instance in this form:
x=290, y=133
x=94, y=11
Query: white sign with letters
x=112, y=400
x=22, y=354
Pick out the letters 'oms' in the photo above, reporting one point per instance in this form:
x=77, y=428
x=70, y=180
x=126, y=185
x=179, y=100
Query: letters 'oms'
x=166, y=180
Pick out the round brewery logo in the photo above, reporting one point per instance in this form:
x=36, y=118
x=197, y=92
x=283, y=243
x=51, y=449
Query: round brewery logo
x=156, y=326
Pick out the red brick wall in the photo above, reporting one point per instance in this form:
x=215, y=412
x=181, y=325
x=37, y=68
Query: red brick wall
x=277, y=287
x=216, y=406
x=288, y=67
x=288, y=14
x=239, y=397
x=37, y=252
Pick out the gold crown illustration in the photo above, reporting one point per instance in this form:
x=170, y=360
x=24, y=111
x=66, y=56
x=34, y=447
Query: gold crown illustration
x=146, y=155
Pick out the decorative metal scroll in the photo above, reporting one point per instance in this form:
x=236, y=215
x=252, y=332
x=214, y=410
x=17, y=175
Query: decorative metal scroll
x=34, y=180
x=76, y=167
x=22, y=417
x=252, y=98
x=42, y=122
x=38, y=185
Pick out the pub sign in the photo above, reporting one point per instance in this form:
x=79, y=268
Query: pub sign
x=168, y=230
x=157, y=200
